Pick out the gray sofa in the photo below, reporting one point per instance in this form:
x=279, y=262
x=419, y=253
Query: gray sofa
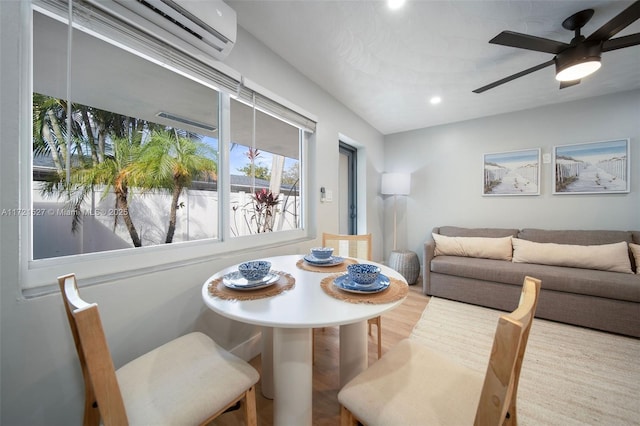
x=597, y=299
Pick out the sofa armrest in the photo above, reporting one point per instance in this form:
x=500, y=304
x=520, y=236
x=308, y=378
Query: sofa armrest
x=429, y=251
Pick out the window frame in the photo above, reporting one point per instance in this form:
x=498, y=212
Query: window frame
x=99, y=267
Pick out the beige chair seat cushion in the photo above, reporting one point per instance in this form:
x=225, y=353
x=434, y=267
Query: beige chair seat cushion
x=172, y=385
x=413, y=385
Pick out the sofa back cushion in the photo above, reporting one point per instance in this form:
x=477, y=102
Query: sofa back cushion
x=606, y=257
x=454, y=231
x=581, y=237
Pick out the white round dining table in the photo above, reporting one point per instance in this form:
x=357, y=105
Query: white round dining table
x=288, y=319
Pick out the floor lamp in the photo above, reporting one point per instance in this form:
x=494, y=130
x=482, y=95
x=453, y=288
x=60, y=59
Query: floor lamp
x=404, y=261
x=395, y=184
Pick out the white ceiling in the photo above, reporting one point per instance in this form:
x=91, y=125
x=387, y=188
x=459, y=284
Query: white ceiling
x=385, y=65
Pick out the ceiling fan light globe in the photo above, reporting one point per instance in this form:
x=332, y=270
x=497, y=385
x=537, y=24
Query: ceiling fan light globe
x=579, y=70
x=578, y=62
x=395, y=4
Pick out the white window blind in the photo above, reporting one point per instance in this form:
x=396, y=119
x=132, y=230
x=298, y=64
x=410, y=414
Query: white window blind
x=112, y=29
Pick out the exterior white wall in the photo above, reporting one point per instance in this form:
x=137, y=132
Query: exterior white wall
x=41, y=379
x=196, y=220
x=446, y=166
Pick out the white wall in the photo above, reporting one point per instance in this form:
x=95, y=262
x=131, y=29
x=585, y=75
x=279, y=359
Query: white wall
x=41, y=379
x=446, y=163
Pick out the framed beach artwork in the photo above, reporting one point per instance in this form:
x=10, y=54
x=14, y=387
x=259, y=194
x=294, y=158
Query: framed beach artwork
x=592, y=168
x=512, y=173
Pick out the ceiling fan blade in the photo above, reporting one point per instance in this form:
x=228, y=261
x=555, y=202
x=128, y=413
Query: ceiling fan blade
x=514, y=76
x=621, y=42
x=529, y=42
x=617, y=24
x=565, y=84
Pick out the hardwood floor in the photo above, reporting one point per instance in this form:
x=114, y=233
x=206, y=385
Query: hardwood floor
x=396, y=325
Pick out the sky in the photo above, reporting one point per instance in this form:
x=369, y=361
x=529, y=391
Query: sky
x=598, y=150
x=238, y=156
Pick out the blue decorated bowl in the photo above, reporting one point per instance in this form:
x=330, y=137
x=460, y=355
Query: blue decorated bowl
x=322, y=253
x=254, y=270
x=363, y=273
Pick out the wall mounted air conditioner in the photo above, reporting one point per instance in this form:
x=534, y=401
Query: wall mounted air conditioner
x=209, y=26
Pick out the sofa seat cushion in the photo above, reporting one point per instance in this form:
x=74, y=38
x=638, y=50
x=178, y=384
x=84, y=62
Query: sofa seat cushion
x=611, y=285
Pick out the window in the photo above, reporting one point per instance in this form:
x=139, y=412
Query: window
x=265, y=172
x=141, y=166
x=105, y=165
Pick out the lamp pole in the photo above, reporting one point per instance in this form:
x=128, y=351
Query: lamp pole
x=395, y=221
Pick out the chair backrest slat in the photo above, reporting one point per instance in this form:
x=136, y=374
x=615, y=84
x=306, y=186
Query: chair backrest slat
x=101, y=384
x=358, y=246
x=497, y=404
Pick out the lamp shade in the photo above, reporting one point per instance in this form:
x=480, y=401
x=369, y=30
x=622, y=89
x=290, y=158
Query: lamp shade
x=396, y=184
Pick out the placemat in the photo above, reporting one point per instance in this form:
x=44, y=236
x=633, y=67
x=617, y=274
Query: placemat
x=284, y=283
x=326, y=269
x=397, y=290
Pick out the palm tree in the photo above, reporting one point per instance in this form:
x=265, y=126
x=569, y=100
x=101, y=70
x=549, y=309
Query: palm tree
x=172, y=161
x=116, y=172
x=113, y=143
x=48, y=134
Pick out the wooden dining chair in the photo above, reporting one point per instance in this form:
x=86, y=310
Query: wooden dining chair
x=358, y=246
x=412, y=384
x=188, y=381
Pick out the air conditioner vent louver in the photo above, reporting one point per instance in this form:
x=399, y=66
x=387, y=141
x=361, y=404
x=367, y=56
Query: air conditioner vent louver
x=170, y=19
x=203, y=27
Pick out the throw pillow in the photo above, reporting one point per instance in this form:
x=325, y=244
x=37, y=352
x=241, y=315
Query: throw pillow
x=635, y=249
x=605, y=257
x=486, y=248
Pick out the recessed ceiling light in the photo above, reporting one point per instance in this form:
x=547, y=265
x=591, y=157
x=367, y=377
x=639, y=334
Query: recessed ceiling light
x=435, y=100
x=395, y=4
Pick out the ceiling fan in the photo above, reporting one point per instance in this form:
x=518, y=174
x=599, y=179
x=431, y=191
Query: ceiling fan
x=581, y=56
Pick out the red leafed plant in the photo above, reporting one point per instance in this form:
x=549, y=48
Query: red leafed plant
x=266, y=203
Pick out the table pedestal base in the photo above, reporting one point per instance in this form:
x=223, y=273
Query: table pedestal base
x=287, y=370
x=353, y=350
x=292, y=376
x=266, y=358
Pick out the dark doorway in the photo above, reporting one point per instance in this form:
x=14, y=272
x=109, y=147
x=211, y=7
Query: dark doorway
x=348, y=205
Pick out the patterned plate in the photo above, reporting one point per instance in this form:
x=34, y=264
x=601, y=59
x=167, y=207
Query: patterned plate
x=236, y=281
x=344, y=282
x=332, y=261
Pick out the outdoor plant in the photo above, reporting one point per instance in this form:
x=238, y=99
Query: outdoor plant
x=171, y=161
x=265, y=205
x=113, y=153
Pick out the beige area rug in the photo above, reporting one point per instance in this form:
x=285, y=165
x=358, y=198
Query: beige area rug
x=570, y=375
